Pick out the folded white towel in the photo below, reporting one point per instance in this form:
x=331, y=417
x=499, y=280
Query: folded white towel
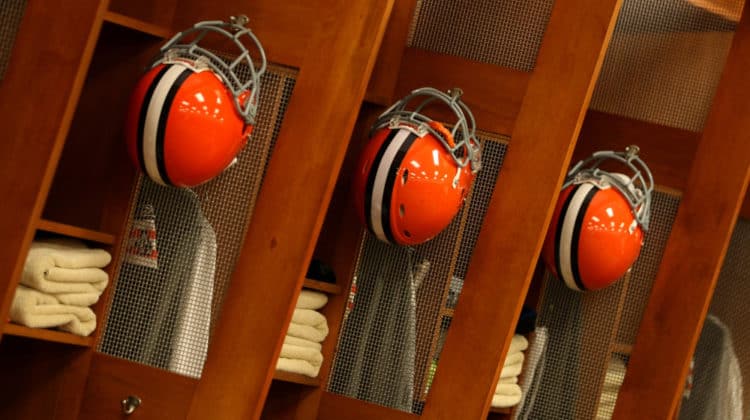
x=510, y=397
x=68, y=270
x=308, y=324
x=513, y=358
x=309, y=299
x=79, y=299
x=40, y=276
x=301, y=342
x=518, y=343
x=308, y=317
x=38, y=310
x=314, y=357
x=508, y=389
x=512, y=370
x=297, y=366
x=70, y=253
x=307, y=332
x=511, y=380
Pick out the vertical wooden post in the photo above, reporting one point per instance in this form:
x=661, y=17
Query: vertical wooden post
x=38, y=97
x=508, y=247
x=695, y=251
x=290, y=210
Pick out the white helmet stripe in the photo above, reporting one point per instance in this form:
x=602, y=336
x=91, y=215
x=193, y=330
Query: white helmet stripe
x=151, y=124
x=378, y=190
x=567, y=239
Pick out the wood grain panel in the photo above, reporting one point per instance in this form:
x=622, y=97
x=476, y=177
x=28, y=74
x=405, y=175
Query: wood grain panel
x=700, y=235
x=542, y=142
x=41, y=380
x=94, y=193
x=290, y=401
x=337, y=243
x=159, y=13
x=75, y=232
x=493, y=93
x=138, y=25
x=49, y=335
x=290, y=209
x=337, y=407
x=37, y=98
x=668, y=151
x=164, y=395
x=386, y=72
x=285, y=28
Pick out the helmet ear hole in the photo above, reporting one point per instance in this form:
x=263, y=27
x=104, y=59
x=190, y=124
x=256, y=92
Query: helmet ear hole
x=407, y=234
x=404, y=177
x=401, y=210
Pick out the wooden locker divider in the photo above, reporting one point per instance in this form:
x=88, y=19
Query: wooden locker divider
x=284, y=27
x=381, y=88
x=338, y=407
x=668, y=151
x=714, y=191
x=541, y=145
x=42, y=379
x=164, y=395
x=35, y=128
x=281, y=235
x=339, y=237
x=38, y=97
x=494, y=93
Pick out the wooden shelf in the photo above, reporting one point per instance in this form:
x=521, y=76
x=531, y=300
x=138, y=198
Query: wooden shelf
x=322, y=286
x=76, y=232
x=296, y=378
x=137, y=25
x=47, y=335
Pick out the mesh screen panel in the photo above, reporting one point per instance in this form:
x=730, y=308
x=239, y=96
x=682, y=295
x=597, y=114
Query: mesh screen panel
x=11, y=13
x=663, y=213
x=663, y=63
x=182, y=250
x=587, y=333
x=505, y=33
x=389, y=340
x=722, y=355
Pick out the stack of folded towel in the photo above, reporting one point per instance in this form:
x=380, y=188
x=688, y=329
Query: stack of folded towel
x=61, y=279
x=508, y=392
x=301, y=351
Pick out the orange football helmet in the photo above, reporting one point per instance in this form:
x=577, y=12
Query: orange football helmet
x=597, y=227
x=414, y=173
x=191, y=113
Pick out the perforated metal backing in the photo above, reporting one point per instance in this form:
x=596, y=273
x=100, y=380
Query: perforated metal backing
x=663, y=63
x=390, y=338
x=725, y=337
x=645, y=268
x=505, y=33
x=163, y=306
x=11, y=13
x=586, y=331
